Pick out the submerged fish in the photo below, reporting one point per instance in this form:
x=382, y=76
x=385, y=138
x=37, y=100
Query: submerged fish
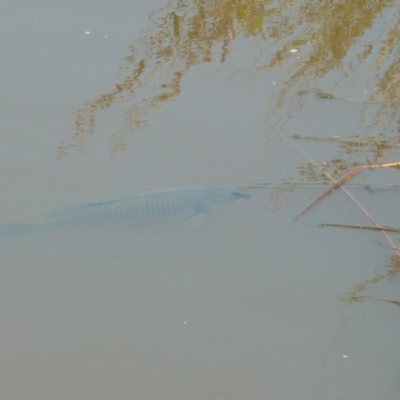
x=139, y=208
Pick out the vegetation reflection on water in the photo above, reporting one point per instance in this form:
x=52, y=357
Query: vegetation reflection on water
x=330, y=36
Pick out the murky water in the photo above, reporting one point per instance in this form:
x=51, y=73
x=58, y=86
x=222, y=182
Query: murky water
x=106, y=100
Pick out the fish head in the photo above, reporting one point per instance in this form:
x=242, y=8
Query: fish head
x=235, y=195
x=229, y=195
x=219, y=196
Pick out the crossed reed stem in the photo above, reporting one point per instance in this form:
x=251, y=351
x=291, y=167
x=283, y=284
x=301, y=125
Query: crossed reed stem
x=343, y=180
x=339, y=184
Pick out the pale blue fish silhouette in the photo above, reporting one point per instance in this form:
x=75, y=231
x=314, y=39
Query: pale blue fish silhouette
x=140, y=208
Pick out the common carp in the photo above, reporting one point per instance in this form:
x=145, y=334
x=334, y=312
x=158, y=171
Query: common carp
x=140, y=208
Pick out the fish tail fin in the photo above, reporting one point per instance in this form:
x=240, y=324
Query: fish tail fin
x=18, y=230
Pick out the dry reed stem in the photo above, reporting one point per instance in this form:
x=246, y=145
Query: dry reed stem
x=362, y=227
x=343, y=180
x=339, y=183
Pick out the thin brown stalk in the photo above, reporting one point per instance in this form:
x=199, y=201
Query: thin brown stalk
x=339, y=183
x=363, y=227
x=342, y=181
x=330, y=189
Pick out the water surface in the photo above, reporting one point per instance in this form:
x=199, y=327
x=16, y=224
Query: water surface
x=103, y=101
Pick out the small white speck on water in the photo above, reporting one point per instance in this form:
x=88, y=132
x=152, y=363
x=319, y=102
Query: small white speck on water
x=87, y=33
x=293, y=50
x=184, y=322
x=344, y=356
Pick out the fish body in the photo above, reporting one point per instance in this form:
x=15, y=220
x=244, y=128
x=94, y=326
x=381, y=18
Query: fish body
x=140, y=208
